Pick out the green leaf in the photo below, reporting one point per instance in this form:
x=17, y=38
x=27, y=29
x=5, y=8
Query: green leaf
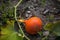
x=48, y=26
x=5, y=33
x=10, y=25
x=14, y=36
x=8, y=32
x=56, y=28
x=11, y=36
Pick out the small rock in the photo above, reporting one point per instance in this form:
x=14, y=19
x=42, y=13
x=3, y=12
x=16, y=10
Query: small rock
x=28, y=11
x=45, y=33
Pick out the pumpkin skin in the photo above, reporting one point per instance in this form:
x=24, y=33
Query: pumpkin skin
x=33, y=25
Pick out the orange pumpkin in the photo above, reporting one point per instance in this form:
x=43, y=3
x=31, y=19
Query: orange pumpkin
x=33, y=25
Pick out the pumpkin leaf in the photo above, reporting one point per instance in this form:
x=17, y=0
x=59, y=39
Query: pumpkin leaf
x=56, y=28
x=14, y=36
x=48, y=26
x=8, y=32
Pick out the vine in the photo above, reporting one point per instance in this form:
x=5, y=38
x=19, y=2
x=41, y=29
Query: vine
x=15, y=7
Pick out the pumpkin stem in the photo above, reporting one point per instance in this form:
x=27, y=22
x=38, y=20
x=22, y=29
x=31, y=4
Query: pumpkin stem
x=20, y=20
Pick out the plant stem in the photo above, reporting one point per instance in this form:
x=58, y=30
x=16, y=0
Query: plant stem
x=23, y=32
x=17, y=21
x=16, y=8
x=18, y=3
x=15, y=14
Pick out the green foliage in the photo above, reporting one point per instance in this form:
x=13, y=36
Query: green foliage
x=14, y=36
x=49, y=26
x=10, y=35
x=56, y=28
x=8, y=32
x=6, y=12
